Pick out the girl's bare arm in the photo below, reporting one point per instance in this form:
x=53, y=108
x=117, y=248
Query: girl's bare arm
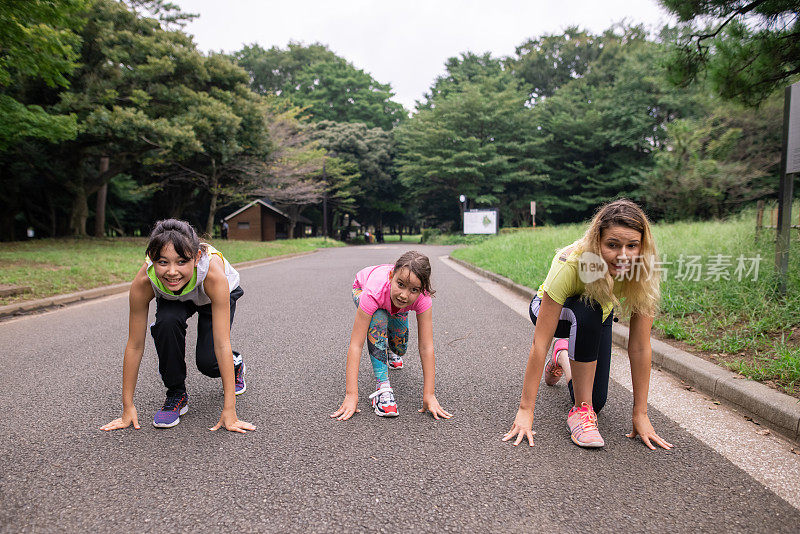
x=428, y=360
x=546, y=323
x=640, y=354
x=139, y=297
x=216, y=287
x=357, y=336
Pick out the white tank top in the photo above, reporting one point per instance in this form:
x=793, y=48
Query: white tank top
x=194, y=290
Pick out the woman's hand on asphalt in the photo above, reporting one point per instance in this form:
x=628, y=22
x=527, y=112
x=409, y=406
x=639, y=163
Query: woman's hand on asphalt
x=645, y=430
x=347, y=409
x=129, y=416
x=430, y=404
x=522, y=428
x=229, y=421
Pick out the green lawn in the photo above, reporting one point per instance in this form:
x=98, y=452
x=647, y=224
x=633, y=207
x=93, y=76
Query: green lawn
x=55, y=266
x=741, y=324
x=407, y=238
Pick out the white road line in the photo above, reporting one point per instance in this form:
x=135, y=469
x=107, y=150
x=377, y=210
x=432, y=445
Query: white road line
x=752, y=448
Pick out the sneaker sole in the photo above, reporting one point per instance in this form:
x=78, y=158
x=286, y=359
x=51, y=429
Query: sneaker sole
x=396, y=368
x=385, y=414
x=586, y=445
x=175, y=422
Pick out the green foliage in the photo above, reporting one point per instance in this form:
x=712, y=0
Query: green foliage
x=599, y=132
x=477, y=142
x=38, y=44
x=18, y=122
x=38, y=40
x=429, y=234
x=276, y=70
x=329, y=87
x=746, y=48
x=469, y=68
x=371, y=151
x=713, y=166
x=547, y=63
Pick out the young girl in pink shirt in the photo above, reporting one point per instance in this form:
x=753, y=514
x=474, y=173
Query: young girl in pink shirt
x=383, y=295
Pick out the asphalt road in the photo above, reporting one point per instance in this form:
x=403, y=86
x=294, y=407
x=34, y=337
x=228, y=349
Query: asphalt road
x=301, y=471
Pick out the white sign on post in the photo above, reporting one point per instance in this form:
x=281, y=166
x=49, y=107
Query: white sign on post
x=793, y=141
x=480, y=222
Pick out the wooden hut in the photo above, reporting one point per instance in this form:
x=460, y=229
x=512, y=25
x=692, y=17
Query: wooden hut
x=261, y=221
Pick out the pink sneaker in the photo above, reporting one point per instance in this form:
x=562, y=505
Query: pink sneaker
x=552, y=371
x=582, y=424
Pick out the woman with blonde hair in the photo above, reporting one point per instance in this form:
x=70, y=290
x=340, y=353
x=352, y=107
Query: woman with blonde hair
x=612, y=267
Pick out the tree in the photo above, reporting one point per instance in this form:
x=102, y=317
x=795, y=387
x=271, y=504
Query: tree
x=714, y=165
x=599, y=132
x=747, y=48
x=37, y=45
x=294, y=171
x=477, y=142
x=330, y=87
x=548, y=62
x=122, y=96
x=371, y=152
x=276, y=70
x=465, y=69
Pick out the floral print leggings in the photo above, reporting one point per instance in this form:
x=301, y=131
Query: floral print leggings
x=384, y=329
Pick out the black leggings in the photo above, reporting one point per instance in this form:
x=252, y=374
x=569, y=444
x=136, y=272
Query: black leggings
x=589, y=340
x=169, y=335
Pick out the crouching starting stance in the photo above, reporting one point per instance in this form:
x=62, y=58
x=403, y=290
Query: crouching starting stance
x=185, y=277
x=383, y=295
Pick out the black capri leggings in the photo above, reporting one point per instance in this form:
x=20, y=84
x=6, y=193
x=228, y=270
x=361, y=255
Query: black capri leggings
x=169, y=335
x=589, y=340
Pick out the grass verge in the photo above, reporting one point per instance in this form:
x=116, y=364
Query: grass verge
x=57, y=266
x=742, y=324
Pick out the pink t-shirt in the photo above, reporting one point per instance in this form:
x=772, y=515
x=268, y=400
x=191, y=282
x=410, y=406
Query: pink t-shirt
x=376, y=285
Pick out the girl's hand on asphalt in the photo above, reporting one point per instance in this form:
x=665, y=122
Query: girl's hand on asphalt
x=522, y=428
x=129, y=416
x=229, y=421
x=347, y=409
x=430, y=404
x=643, y=429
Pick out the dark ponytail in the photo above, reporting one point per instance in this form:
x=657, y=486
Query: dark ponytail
x=180, y=233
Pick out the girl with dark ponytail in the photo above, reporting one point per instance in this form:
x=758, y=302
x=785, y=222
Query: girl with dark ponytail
x=184, y=276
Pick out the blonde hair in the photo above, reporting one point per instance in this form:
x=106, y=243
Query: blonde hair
x=641, y=288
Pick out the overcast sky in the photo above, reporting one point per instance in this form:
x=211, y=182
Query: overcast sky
x=404, y=43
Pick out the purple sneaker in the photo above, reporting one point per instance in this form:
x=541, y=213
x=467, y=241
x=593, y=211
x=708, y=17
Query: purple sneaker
x=238, y=374
x=170, y=414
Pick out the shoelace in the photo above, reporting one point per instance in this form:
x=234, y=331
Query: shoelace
x=588, y=420
x=381, y=392
x=171, y=404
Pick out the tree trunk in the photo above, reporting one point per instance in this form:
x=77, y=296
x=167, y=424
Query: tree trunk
x=6, y=225
x=212, y=208
x=80, y=212
x=294, y=214
x=51, y=210
x=100, y=210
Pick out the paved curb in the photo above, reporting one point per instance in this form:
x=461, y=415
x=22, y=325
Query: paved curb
x=777, y=410
x=30, y=306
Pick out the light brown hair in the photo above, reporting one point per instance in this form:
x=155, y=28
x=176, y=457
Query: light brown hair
x=641, y=289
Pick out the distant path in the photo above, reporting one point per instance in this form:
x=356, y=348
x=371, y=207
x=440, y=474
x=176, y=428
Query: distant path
x=303, y=472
